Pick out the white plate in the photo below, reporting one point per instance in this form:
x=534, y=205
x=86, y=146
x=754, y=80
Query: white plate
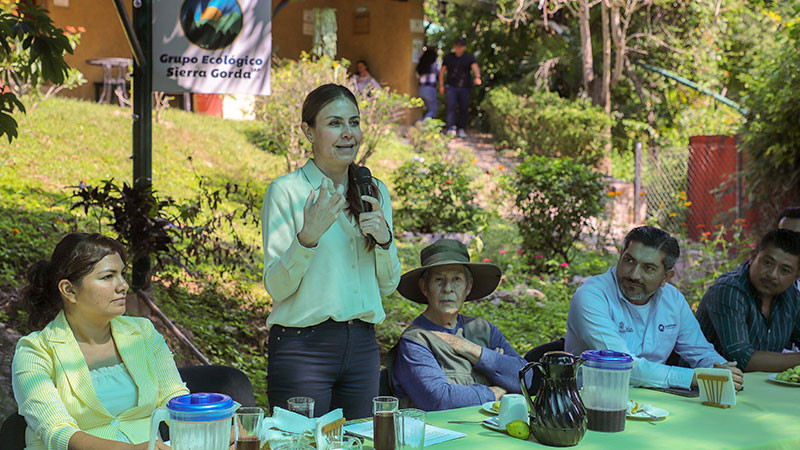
x=488, y=408
x=773, y=377
x=655, y=414
x=491, y=423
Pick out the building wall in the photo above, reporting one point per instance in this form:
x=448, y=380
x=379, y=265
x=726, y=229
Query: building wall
x=387, y=47
x=103, y=38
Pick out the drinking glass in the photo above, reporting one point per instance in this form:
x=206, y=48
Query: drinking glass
x=302, y=405
x=345, y=443
x=247, y=421
x=383, y=416
x=410, y=426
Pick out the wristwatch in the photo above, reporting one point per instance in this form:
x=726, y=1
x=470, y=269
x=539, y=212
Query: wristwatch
x=388, y=243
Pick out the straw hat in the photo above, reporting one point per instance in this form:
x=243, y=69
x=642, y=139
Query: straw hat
x=485, y=276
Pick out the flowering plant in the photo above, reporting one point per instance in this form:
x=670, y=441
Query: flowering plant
x=436, y=196
x=557, y=198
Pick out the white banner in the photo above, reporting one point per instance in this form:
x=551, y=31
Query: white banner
x=212, y=46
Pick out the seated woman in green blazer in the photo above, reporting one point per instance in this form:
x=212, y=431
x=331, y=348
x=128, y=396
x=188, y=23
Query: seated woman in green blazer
x=91, y=377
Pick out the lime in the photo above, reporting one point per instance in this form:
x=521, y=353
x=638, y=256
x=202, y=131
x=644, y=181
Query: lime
x=518, y=429
x=496, y=406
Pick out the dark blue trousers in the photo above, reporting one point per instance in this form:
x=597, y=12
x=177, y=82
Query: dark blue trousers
x=457, y=99
x=335, y=363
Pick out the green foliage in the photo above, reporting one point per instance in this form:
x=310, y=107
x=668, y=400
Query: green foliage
x=185, y=234
x=557, y=198
x=281, y=133
x=435, y=195
x=717, y=252
x=505, y=51
x=543, y=123
x=31, y=51
x=426, y=137
x=234, y=335
x=771, y=135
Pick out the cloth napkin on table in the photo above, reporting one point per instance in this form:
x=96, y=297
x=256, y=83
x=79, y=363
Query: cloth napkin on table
x=635, y=407
x=284, y=424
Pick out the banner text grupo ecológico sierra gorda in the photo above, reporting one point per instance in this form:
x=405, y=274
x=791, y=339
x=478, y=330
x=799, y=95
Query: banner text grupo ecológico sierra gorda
x=212, y=66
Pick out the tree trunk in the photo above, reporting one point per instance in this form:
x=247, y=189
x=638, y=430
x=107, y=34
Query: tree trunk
x=605, y=98
x=605, y=163
x=586, y=47
x=617, y=35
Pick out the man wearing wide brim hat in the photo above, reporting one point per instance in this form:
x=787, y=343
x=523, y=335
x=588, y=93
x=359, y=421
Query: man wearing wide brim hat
x=444, y=359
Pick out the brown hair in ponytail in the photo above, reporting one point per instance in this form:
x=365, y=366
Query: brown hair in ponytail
x=73, y=258
x=313, y=103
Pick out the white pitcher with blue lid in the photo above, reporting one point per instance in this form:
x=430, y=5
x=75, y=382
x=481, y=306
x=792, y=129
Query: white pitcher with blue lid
x=200, y=421
x=606, y=375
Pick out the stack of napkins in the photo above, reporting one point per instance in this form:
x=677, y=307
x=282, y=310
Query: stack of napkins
x=284, y=425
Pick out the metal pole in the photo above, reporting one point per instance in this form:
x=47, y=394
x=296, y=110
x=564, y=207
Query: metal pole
x=142, y=121
x=725, y=100
x=637, y=182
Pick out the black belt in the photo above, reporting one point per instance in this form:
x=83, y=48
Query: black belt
x=329, y=323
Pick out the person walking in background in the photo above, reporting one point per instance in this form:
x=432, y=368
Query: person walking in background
x=325, y=275
x=428, y=74
x=91, y=377
x=363, y=81
x=456, y=89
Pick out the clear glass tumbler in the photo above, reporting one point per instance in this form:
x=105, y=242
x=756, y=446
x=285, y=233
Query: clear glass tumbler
x=383, y=422
x=410, y=429
x=247, y=421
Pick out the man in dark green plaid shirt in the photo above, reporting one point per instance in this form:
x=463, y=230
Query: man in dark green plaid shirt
x=752, y=313
x=790, y=220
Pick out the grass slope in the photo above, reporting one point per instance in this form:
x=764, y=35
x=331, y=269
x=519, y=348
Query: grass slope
x=66, y=141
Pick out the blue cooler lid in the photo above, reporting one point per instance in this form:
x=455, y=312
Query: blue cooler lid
x=202, y=407
x=607, y=359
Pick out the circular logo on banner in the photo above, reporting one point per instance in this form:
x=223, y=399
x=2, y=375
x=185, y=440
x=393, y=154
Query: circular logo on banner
x=211, y=24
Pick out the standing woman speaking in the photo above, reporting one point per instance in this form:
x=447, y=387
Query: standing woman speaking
x=327, y=264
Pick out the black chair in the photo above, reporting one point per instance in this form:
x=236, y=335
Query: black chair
x=537, y=352
x=217, y=379
x=12, y=433
x=385, y=377
x=221, y=380
x=534, y=355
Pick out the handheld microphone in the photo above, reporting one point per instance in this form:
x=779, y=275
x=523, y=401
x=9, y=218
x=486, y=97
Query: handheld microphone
x=363, y=179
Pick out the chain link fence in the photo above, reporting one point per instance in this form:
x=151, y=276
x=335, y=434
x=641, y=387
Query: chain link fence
x=665, y=186
x=691, y=190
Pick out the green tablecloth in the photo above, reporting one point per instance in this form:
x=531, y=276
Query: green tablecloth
x=766, y=415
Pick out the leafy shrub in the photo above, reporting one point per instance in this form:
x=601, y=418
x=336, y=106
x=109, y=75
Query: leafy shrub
x=543, y=123
x=225, y=328
x=557, y=198
x=436, y=195
x=31, y=52
x=426, y=137
x=717, y=252
x=182, y=234
x=771, y=136
x=280, y=132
